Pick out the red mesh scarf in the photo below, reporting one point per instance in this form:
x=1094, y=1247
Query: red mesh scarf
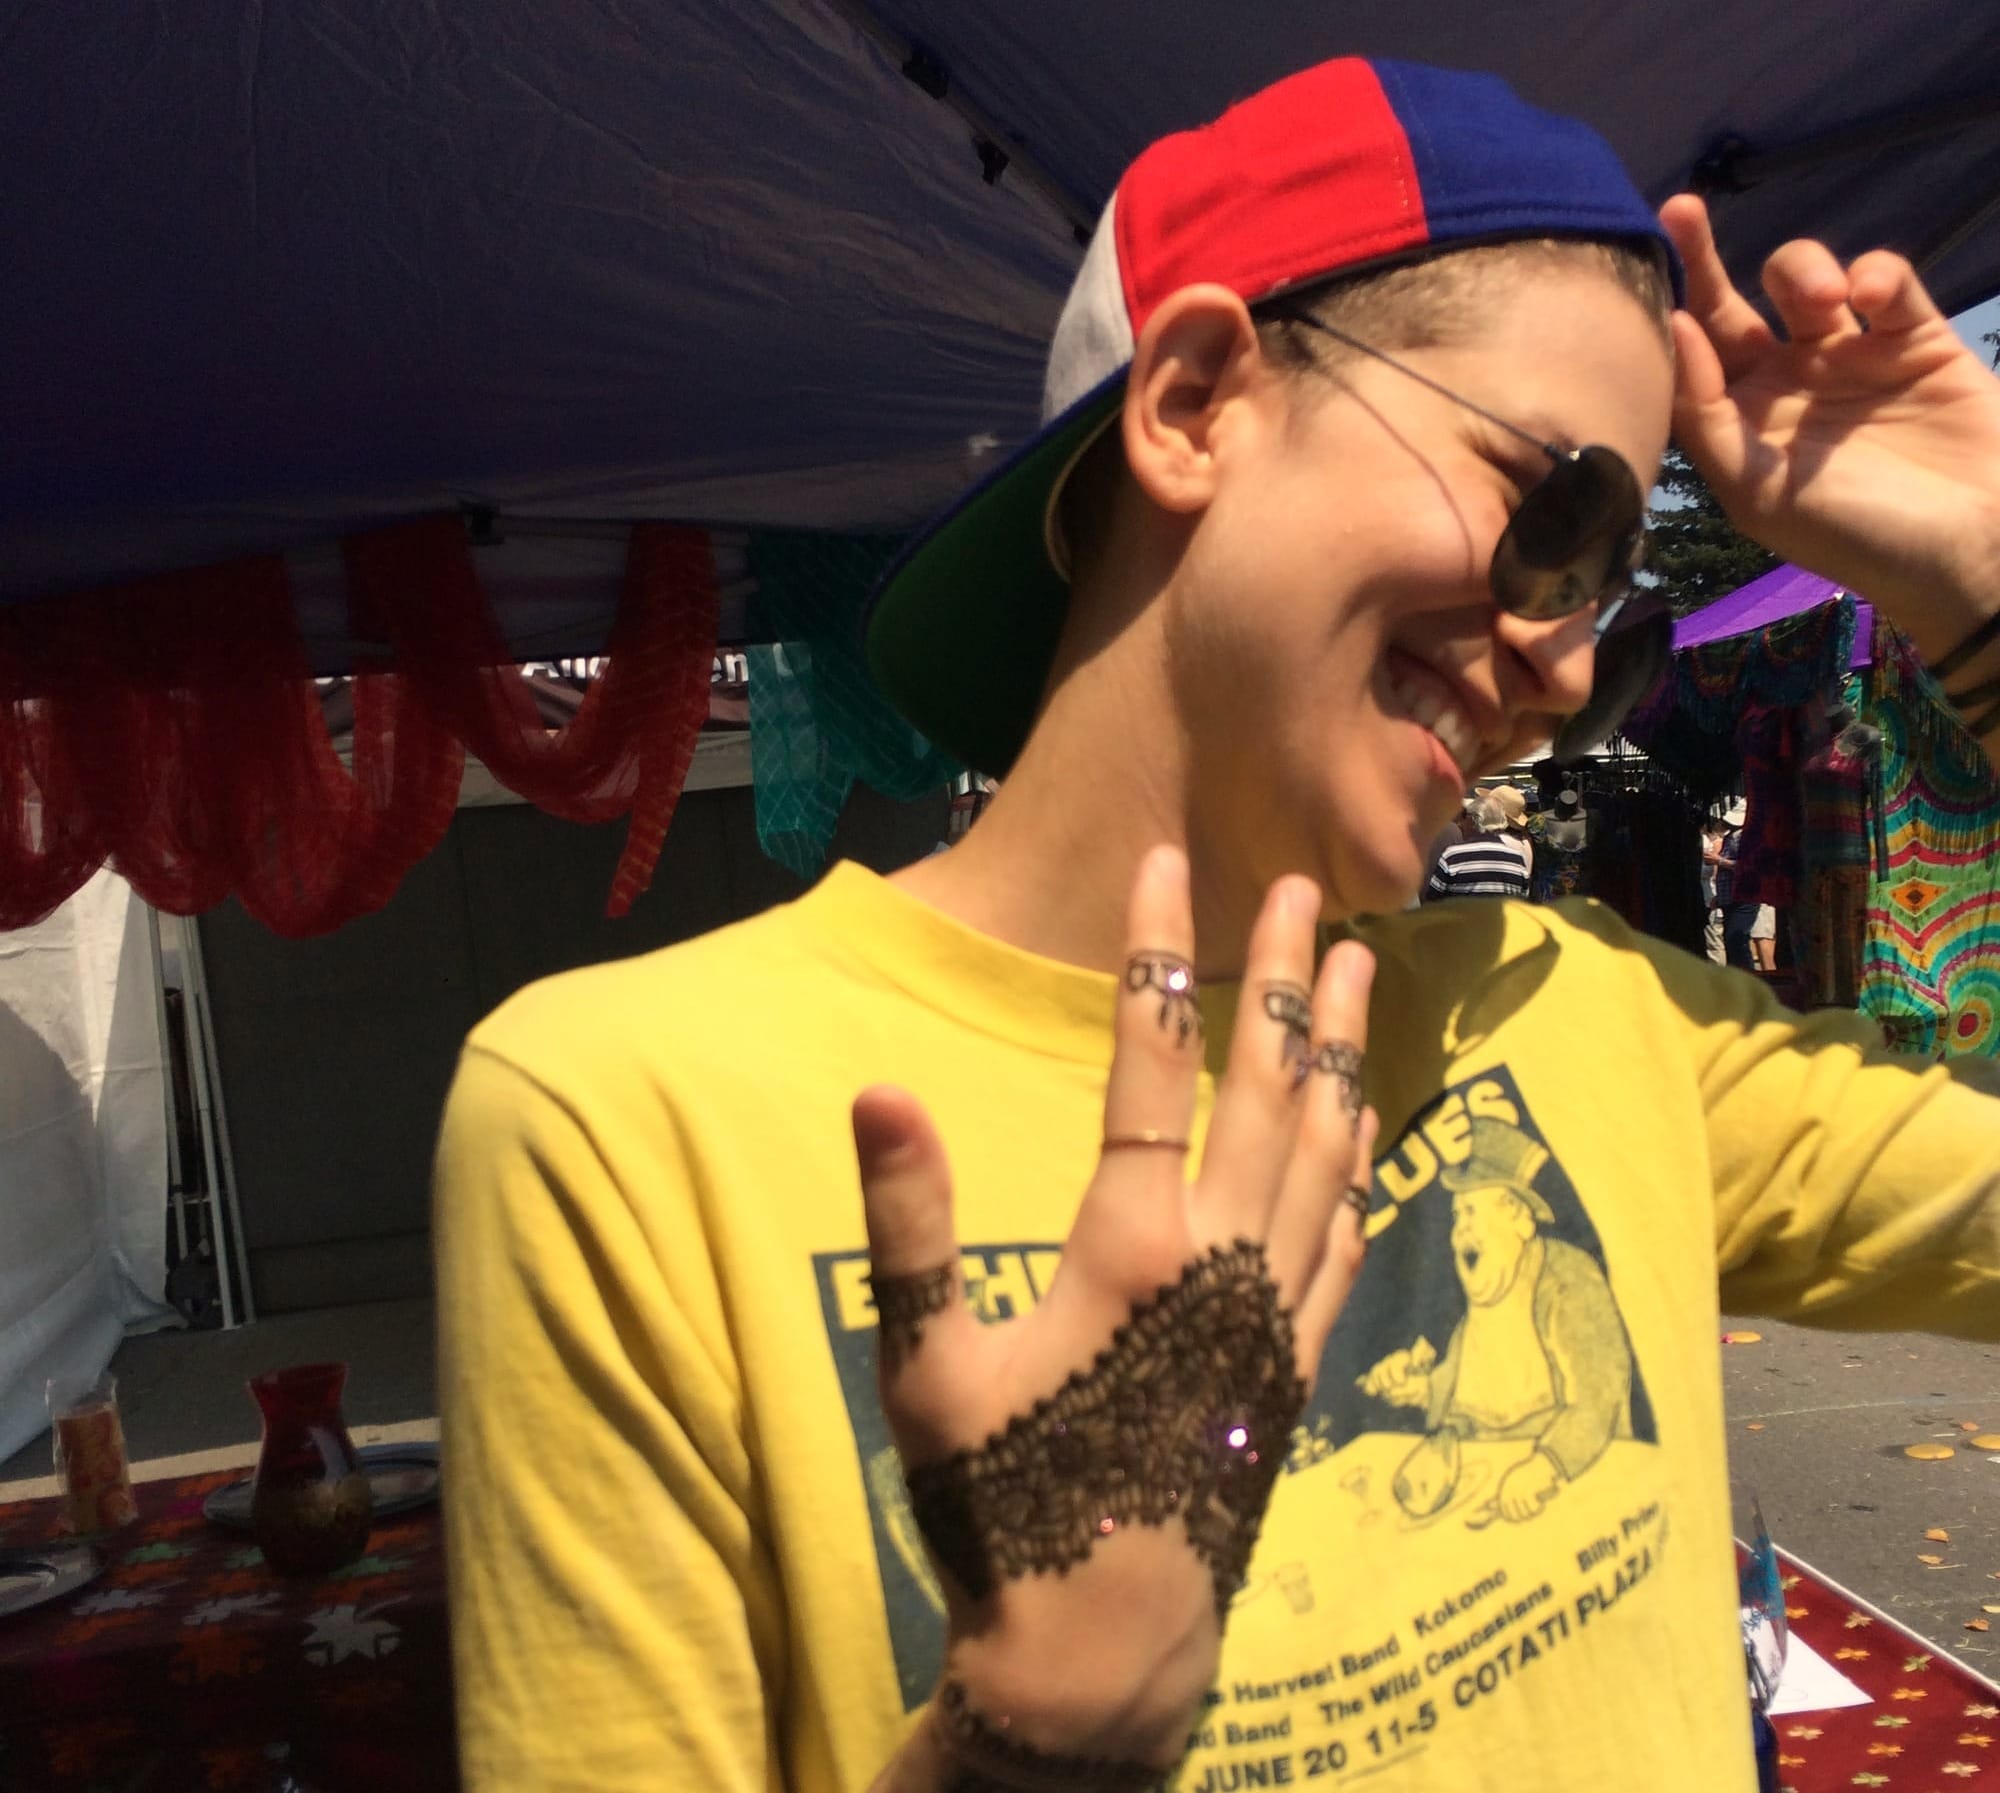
x=171, y=729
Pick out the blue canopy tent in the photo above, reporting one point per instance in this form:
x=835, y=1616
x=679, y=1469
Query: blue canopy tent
x=281, y=273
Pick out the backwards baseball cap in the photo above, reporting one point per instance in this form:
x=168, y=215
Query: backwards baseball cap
x=1346, y=167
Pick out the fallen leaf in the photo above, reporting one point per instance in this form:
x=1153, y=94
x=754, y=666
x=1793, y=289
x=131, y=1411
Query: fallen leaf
x=1929, y=1453
x=1977, y=1625
x=1968, y=1425
x=1988, y=1606
x=1938, y=1535
x=1742, y=1338
x=1933, y=1561
x=1987, y=1441
x=1756, y=1425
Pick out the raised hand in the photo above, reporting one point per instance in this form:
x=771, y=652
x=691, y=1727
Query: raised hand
x=1089, y=1478
x=1870, y=455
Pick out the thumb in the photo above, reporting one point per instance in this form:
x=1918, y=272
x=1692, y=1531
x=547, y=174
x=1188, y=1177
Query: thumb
x=906, y=1198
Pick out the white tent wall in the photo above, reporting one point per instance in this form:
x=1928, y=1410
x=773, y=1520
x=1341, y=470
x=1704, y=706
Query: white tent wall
x=83, y=1146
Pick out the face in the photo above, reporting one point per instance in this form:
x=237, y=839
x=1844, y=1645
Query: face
x=1340, y=667
x=1490, y=1232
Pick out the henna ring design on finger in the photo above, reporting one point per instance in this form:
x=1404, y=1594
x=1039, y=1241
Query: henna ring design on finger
x=904, y=1303
x=1291, y=1007
x=1172, y=978
x=1337, y=1058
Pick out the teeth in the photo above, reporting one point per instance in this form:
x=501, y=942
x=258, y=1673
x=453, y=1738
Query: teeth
x=1428, y=709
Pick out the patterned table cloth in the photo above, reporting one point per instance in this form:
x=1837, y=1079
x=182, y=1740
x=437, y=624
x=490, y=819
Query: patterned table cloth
x=1931, y=1725
x=189, y=1667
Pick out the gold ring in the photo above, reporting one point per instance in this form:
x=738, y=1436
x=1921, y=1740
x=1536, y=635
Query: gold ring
x=1148, y=1140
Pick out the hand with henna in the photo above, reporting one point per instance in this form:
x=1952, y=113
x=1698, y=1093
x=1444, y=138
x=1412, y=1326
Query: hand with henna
x=1089, y=1478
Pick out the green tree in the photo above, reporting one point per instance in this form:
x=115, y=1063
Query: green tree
x=1692, y=550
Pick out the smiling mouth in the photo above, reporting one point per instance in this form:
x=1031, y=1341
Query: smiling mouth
x=1425, y=700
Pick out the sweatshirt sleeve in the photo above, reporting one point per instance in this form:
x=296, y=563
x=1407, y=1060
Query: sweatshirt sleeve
x=615, y=1616
x=1854, y=1187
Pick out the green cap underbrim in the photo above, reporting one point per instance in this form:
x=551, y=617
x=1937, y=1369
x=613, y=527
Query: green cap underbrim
x=962, y=631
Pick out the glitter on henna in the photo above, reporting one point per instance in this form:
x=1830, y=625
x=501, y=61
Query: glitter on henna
x=1172, y=979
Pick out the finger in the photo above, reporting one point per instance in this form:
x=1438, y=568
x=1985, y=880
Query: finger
x=1886, y=290
x=1328, y=1159
x=1731, y=323
x=1149, y=1096
x=914, y=1275
x=1258, y=1107
x=1707, y=425
x=1808, y=286
x=1340, y=1263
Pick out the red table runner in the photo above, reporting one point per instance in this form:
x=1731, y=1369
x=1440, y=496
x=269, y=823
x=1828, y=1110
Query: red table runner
x=1933, y=1726
x=189, y=1667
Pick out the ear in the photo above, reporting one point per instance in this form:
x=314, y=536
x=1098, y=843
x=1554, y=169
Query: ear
x=1196, y=370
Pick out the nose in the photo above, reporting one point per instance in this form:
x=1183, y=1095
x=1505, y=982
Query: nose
x=1547, y=666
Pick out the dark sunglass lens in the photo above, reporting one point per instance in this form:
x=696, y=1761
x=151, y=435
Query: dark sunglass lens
x=1571, y=537
x=1630, y=662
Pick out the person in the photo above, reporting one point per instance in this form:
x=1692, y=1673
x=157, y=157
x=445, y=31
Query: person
x=1713, y=835
x=1486, y=864
x=1514, y=811
x=926, y=1460
x=1764, y=939
x=1738, y=917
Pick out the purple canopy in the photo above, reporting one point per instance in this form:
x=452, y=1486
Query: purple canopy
x=1782, y=592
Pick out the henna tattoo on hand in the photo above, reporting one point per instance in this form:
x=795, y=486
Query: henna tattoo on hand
x=904, y=1303
x=1188, y=1410
x=984, y=1759
x=1172, y=977
x=1291, y=1007
x=1339, y=1059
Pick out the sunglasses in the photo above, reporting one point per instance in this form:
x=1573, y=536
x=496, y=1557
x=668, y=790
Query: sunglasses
x=1574, y=540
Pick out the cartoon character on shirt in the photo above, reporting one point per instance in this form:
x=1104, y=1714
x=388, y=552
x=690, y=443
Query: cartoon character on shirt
x=1540, y=1355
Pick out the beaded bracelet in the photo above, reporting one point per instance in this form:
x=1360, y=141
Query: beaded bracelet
x=1968, y=650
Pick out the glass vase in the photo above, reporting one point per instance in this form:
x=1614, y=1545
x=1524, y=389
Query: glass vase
x=310, y=1506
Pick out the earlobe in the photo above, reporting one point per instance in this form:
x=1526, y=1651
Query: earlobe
x=1196, y=358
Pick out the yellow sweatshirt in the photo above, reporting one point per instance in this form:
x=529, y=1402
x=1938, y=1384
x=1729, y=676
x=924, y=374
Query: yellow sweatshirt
x=1500, y=1555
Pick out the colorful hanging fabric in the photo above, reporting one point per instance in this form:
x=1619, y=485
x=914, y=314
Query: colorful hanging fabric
x=817, y=722
x=171, y=728
x=1836, y=789
x=1781, y=667
x=1931, y=966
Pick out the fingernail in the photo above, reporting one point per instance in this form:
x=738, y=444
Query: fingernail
x=879, y=1133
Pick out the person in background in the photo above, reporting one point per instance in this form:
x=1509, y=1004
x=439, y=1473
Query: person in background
x=1514, y=807
x=1737, y=918
x=1488, y=864
x=1712, y=836
x=1764, y=938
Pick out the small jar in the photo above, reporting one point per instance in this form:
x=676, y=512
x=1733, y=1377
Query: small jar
x=310, y=1507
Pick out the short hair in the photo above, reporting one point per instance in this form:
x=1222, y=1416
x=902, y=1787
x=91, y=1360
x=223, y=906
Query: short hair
x=1435, y=300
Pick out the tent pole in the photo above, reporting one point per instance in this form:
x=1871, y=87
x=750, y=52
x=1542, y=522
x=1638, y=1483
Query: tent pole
x=198, y=1082
x=176, y=1184
x=197, y=971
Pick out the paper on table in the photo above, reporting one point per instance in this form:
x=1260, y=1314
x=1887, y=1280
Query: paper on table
x=1812, y=1684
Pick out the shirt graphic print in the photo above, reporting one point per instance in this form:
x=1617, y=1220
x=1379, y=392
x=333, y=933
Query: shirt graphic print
x=1480, y=1376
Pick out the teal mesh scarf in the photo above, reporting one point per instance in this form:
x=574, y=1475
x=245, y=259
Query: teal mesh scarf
x=817, y=722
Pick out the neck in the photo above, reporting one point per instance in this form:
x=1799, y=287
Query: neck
x=1104, y=778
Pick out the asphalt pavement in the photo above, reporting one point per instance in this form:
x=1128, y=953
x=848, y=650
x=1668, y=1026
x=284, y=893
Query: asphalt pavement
x=1818, y=1422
